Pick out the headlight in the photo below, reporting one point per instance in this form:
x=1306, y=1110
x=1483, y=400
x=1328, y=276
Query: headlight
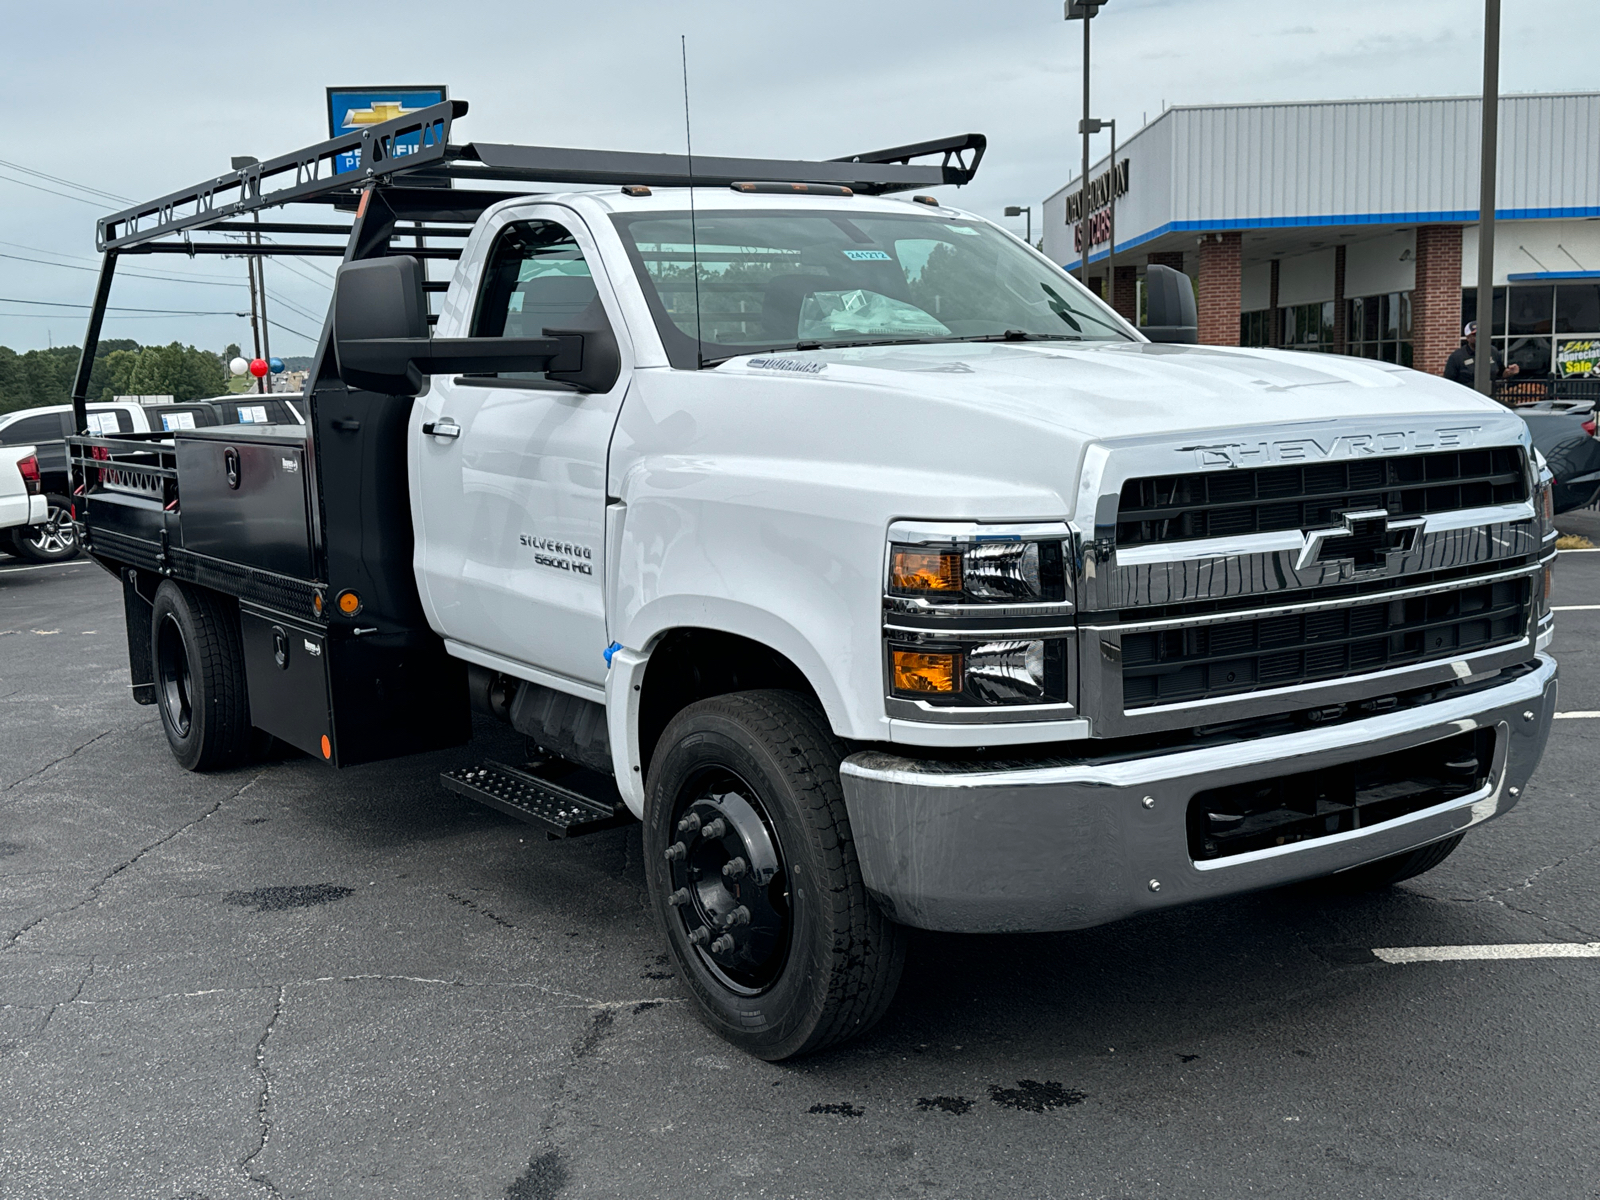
x=947, y=671
x=986, y=570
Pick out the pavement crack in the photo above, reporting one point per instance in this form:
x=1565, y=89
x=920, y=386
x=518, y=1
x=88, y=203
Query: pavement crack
x=1526, y=912
x=72, y=999
x=264, y=1099
x=1528, y=882
x=56, y=761
x=94, y=890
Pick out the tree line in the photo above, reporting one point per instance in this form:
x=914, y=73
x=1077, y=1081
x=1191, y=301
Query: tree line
x=122, y=367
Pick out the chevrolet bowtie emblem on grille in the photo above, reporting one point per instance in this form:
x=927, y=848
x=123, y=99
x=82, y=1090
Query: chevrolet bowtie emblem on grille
x=1366, y=539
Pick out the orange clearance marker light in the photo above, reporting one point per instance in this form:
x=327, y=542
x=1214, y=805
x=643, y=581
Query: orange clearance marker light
x=327, y=747
x=349, y=603
x=316, y=603
x=925, y=571
x=915, y=671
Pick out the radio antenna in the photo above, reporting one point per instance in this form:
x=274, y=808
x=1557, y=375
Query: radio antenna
x=694, y=233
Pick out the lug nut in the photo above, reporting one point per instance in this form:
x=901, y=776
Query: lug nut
x=679, y=898
x=676, y=852
x=722, y=945
x=735, y=868
x=715, y=828
x=1155, y=885
x=739, y=916
x=690, y=824
x=1148, y=802
x=696, y=936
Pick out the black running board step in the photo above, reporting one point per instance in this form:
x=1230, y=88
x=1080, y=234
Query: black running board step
x=559, y=811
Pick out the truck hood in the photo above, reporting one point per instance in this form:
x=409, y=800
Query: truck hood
x=1111, y=391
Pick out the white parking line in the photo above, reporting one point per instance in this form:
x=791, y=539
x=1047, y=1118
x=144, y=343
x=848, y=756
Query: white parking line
x=1574, y=607
x=1583, y=713
x=1413, y=954
x=82, y=562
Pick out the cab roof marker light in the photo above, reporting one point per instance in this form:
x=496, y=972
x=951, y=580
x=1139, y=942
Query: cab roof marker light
x=929, y=200
x=787, y=189
x=636, y=189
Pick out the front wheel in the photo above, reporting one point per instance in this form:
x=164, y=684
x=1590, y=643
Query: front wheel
x=1375, y=876
x=754, y=878
x=53, y=540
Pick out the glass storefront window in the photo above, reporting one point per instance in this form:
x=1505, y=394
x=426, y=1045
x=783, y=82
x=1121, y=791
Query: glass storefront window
x=1577, y=307
x=1532, y=309
x=1379, y=327
x=1537, y=311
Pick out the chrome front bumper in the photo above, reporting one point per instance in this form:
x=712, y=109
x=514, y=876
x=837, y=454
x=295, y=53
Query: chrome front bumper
x=974, y=847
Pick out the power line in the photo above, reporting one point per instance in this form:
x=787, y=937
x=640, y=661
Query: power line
x=82, y=187
x=100, y=204
x=166, y=279
x=176, y=312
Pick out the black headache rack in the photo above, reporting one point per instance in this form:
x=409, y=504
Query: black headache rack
x=309, y=528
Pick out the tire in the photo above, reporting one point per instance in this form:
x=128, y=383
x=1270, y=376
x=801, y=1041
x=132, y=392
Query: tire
x=816, y=962
x=55, y=540
x=198, y=656
x=1375, y=876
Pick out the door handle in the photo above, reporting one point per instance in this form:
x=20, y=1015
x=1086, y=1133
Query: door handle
x=444, y=427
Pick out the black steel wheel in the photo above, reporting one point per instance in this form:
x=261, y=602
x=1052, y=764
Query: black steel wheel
x=731, y=884
x=53, y=540
x=198, y=657
x=754, y=877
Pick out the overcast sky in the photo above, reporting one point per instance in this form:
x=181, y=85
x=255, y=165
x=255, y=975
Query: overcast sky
x=139, y=99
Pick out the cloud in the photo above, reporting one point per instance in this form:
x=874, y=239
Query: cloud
x=141, y=99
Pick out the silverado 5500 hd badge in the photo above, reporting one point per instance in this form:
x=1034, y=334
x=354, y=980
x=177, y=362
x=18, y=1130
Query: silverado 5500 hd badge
x=561, y=556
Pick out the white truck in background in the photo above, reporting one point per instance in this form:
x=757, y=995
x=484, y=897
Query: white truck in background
x=887, y=576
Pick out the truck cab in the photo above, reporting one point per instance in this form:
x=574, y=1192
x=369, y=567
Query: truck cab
x=882, y=573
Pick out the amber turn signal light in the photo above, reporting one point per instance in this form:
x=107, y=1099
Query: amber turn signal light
x=912, y=570
x=918, y=671
x=349, y=603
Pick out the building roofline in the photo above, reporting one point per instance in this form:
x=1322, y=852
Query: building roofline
x=1102, y=162
x=1377, y=100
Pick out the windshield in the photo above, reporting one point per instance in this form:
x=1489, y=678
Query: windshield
x=800, y=280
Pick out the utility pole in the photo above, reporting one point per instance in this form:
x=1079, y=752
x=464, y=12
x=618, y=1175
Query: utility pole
x=255, y=327
x=266, y=336
x=1085, y=11
x=1483, y=366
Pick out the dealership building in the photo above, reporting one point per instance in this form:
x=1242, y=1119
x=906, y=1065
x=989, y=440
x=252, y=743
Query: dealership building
x=1351, y=227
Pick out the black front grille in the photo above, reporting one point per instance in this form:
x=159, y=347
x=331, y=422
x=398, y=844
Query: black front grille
x=1171, y=666
x=1177, y=508
x=1297, y=808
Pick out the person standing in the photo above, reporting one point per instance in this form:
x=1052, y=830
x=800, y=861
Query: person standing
x=1460, y=366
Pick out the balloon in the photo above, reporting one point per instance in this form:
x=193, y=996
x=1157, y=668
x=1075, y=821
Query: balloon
x=258, y=367
x=276, y=364
x=239, y=366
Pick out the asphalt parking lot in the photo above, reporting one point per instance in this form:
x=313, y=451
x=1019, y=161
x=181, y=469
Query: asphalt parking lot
x=285, y=981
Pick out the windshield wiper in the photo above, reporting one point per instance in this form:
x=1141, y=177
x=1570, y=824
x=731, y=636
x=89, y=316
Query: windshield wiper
x=1010, y=335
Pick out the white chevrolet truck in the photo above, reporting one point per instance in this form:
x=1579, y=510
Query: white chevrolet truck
x=885, y=575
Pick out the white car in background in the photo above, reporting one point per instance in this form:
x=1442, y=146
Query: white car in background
x=24, y=511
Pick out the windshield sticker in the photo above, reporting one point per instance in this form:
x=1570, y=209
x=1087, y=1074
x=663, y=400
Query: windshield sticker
x=866, y=255
x=796, y=366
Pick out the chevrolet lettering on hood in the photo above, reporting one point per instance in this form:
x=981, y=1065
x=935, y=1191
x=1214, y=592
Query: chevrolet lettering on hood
x=1350, y=445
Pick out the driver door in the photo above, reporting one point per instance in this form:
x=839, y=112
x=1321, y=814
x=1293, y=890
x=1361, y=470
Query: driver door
x=509, y=470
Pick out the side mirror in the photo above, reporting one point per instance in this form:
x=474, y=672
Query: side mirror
x=1169, y=307
x=379, y=312
x=381, y=342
